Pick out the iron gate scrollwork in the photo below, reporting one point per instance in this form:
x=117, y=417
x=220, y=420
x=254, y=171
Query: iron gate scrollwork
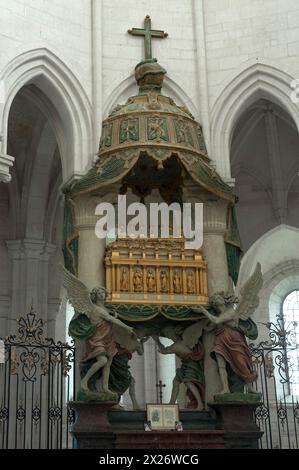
x=278, y=414
x=37, y=380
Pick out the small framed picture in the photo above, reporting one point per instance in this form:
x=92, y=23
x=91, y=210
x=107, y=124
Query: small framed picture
x=147, y=426
x=179, y=426
x=162, y=417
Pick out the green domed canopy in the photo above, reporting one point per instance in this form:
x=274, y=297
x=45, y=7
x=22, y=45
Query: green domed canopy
x=151, y=123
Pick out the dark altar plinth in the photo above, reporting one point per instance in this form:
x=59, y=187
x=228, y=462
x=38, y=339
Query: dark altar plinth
x=236, y=419
x=212, y=439
x=192, y=420
x=97, y=426
x=199, y=431
x=231, y=425
x=92, y=429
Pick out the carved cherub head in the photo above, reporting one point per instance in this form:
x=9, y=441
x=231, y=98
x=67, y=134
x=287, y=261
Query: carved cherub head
x=222, y=300
x=98, y=294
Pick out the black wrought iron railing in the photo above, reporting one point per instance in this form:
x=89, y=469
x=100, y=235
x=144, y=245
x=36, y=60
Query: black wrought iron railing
x=278, y=414
x=37, y=381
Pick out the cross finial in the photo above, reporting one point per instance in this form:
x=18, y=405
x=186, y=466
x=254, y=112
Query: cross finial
x=148, y=34
x=160, y=385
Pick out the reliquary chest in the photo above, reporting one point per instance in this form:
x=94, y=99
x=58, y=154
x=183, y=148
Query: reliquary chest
x=155, y=271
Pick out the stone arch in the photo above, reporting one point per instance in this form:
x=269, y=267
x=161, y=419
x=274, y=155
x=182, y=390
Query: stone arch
x=25, y=183
x=280, y=270
x=276, y=248
x=128, y=87
x=47, y=72
x=254, y=82
x=278, y=282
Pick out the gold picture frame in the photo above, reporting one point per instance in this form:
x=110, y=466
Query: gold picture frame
x=162, y=417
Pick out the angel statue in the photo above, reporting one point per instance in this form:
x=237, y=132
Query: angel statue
x=188, y=347
x=121, y=379
x=232, y=323
x=93, y=323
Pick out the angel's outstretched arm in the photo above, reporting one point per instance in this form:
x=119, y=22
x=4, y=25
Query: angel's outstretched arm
x=109, y=318
x=118, y=322
x=224, y=317
x=212, y=318
x=163, y=349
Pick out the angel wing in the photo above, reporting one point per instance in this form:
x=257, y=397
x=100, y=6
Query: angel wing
x=78, y=293
x=231, y=289
x=193, y=332
x=249, y=299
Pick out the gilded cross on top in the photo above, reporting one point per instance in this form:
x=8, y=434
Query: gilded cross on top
x=148, y=34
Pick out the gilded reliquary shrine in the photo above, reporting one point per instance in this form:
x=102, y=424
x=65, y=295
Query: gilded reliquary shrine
x=155, y=271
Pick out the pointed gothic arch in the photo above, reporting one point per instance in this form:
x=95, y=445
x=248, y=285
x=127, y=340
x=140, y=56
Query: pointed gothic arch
x=276, y=250
x=47, y=72
x=253, y=83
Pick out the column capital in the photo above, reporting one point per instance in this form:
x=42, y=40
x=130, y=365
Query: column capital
x=85, y=207
x=5, y=301
x=15, y=249
x=33, y=248
x=214, y=217
x=30, y=248
x=49, y=250
x=6, y=162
